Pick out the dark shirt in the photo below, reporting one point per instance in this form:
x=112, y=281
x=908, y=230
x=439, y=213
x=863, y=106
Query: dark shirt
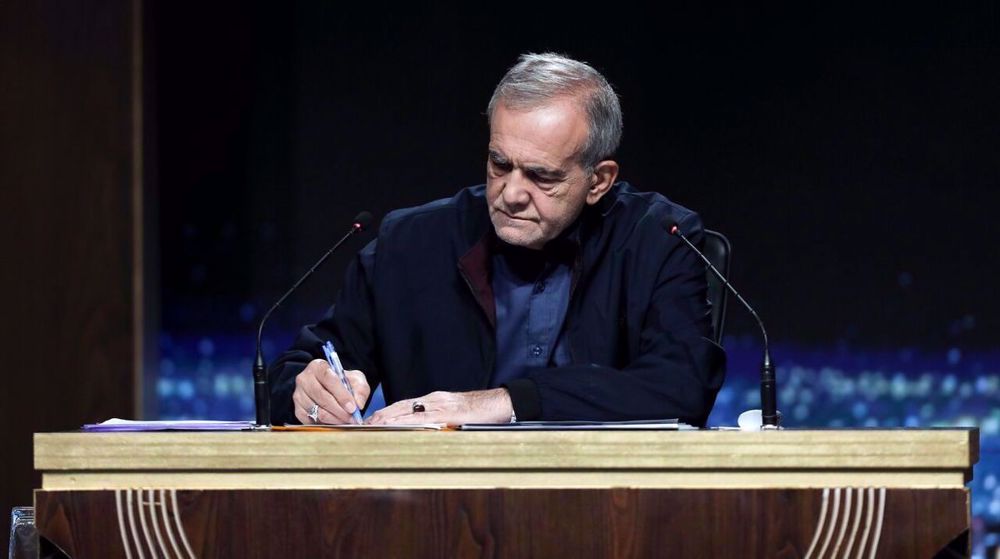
x=531, y=291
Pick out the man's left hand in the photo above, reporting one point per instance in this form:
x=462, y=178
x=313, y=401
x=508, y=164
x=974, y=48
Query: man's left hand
x=453, y=408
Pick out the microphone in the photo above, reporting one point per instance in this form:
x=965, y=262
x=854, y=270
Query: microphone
x=261, y=388
x=768, y=397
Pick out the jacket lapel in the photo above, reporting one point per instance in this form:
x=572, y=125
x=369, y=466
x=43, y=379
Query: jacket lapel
x=475, y=266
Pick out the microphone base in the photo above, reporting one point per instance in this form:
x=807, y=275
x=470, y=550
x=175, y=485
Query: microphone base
x=768, y=393
x=261, y=394
x=750, y=420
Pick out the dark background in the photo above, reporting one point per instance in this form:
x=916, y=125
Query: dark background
x=850, y=157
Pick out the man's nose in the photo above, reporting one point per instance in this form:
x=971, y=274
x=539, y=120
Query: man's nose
x=515, y=192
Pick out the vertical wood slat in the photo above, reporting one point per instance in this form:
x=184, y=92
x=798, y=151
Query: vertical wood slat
x=69, y=166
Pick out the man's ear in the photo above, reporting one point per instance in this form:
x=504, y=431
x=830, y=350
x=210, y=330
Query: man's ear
x=604, y=176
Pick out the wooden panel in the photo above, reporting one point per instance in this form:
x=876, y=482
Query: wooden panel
x=66, y=175
x=901, y=449
x=505, y=523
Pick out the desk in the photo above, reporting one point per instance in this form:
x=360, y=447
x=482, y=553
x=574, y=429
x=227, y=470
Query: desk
x=507, y=494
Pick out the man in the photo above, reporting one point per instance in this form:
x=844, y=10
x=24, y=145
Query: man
x=552, y=292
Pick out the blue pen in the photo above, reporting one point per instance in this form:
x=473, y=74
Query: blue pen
x=334, y=360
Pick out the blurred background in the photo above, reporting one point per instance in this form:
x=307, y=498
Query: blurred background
x=849, y=155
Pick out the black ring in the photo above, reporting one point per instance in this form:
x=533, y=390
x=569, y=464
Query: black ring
x=418, y=407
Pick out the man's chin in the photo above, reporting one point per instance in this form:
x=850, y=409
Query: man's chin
x=517, y=237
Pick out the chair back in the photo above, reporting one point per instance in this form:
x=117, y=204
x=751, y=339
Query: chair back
x=719, y=252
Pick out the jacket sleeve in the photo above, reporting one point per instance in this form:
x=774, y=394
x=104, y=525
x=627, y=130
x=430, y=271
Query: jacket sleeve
x=676, y=371
x=349, y=324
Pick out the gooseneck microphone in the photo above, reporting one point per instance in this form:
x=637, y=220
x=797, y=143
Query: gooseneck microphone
x=261, y=388
x=768, y=397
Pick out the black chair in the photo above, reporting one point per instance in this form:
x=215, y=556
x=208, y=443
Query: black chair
x=719, y=252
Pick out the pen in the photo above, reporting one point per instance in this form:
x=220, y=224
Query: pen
x=334, y=360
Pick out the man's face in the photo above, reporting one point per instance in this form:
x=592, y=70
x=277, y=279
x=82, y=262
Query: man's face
x=535, y=187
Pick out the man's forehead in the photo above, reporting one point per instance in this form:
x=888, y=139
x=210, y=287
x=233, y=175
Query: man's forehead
x=551, y=134
x=521, y=157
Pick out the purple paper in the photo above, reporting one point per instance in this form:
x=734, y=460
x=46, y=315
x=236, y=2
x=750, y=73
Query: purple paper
x=120, y=425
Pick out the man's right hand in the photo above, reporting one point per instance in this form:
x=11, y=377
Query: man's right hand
x=318, y=384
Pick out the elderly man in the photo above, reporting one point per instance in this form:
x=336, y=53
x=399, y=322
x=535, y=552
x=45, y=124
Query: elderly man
x=549, y=293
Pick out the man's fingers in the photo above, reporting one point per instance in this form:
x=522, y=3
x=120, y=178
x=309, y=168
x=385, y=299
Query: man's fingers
x=359, y=383
x=310, y=384
x=318, y=384
x=435, y=405
x=303, y=404
x=390, y=412
x=319, y=395
x=482, y=406
x=323, y=415
x=419, y=417
x=300, y=414
x=332, y=384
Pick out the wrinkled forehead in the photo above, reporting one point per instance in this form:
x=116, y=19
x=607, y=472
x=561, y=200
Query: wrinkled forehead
x=553, y=133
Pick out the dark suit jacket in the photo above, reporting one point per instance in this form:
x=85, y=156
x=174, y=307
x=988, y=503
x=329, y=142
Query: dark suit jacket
x=416, y=313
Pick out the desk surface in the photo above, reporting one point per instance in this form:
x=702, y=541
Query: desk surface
x=231, y=460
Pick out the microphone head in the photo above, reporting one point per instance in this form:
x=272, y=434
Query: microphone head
x=363, y=221
x=671, y=227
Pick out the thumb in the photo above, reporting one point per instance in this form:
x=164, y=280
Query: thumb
x=359, y=384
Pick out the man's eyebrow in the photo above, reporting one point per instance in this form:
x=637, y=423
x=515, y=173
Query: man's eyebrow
x=497, y=156
x=545, y=172
x=537, y=170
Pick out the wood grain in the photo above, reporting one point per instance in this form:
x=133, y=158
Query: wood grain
x=900, y=449
x=505, y=523
x=517, y=479
x=66, y=162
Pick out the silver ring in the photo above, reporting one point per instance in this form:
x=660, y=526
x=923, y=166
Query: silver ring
x=418, y=407
x=313, y=413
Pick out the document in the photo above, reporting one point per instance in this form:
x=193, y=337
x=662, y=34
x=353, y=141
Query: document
x=649, y=425
x=118, y=425
x=355, y=427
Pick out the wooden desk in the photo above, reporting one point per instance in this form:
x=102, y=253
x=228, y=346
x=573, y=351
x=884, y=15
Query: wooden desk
x=507, y=494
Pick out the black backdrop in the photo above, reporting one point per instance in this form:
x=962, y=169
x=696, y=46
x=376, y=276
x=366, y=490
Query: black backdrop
x=851, y=157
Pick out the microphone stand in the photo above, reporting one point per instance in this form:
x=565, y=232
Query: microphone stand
x=261, y=386
x=768, y=387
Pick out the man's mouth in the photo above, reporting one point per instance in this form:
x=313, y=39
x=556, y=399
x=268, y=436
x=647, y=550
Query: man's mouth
x=513, y=217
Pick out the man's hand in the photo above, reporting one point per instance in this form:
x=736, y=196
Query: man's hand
x=318, y=384
x=453, y=408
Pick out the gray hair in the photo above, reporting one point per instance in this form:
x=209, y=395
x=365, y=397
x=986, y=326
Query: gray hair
x=538, y=78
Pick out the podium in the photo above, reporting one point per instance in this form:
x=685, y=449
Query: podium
x=576, y=494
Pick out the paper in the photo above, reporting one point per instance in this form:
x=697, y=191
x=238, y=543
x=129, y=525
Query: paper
x=354, y=427
x=117, y=425
x=650, y=425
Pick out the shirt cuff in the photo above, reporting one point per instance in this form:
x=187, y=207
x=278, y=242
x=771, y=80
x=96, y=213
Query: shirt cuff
x=525, y=399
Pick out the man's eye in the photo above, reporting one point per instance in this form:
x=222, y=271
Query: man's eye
x=542, y=180
x=500, y=167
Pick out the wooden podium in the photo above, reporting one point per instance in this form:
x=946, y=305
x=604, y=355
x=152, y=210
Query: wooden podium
x=576, y=494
